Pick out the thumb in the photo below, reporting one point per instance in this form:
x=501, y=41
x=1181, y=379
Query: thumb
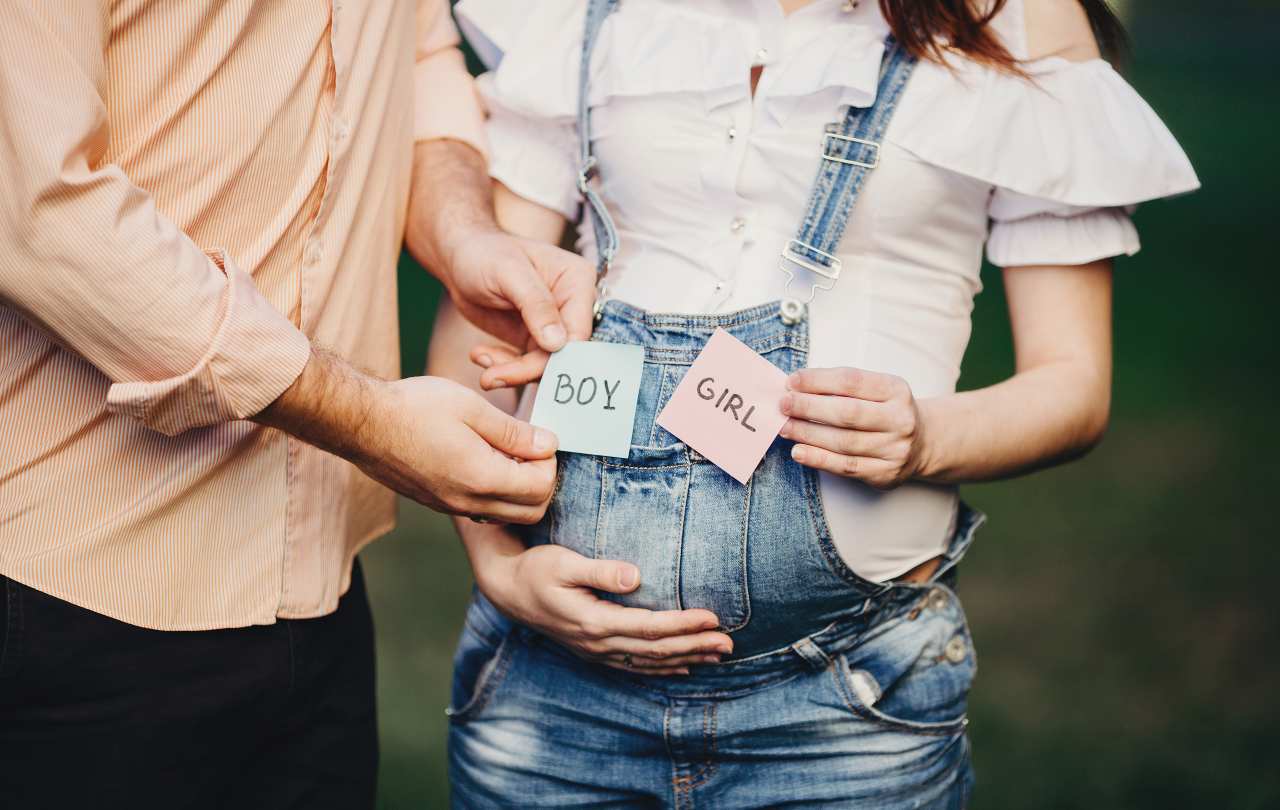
x=510, y=435
x=612, y=576
x=525, y=288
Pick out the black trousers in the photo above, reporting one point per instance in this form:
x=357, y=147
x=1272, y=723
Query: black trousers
x=99, y=713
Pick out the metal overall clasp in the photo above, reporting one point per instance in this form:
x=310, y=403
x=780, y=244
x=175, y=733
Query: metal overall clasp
x=818, y=275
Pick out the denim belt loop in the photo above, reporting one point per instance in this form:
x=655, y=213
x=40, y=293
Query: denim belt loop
x=812, y=654
x=968, y=522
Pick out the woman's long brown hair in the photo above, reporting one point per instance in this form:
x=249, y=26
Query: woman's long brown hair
x=928, y=29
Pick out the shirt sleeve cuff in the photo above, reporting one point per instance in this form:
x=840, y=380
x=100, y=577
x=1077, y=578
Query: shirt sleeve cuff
x=1054, y=239
x=445, y=101
x=255, y=355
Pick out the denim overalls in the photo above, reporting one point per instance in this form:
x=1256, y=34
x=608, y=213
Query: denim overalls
x=840, y=691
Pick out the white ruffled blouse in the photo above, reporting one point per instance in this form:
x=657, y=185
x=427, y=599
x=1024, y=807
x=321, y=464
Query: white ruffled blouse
x=707, y=183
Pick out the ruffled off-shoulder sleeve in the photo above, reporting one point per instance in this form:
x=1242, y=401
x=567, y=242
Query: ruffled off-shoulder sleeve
x=532, y=51
x=1068, y=153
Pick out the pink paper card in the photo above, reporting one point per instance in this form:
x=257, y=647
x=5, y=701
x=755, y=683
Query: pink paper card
x=728, y=406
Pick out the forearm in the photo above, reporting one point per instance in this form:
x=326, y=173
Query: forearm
x=327, y=406
x=490, y=550
x=1035, y=419
x=1056, y=405
x=451, y=196
x=427, y=438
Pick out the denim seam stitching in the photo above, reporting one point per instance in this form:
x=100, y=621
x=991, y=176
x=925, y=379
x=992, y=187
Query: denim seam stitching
x=713, y=694
x=602, y=520
x=684, y=357
x=662, y=399
x=706, y=769
x=761, y=313
x=677, y=798
x=613, y=465
x=742, y=544
x=551, y=512
x=684, y=516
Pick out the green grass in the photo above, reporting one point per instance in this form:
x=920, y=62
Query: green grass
x=1123, y=606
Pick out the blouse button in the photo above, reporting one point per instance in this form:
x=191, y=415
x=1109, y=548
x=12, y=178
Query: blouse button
x=732, y=133
x=762, y=56
x=737, y=224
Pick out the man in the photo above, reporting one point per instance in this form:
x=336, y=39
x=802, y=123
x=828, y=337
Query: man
x=201, y=206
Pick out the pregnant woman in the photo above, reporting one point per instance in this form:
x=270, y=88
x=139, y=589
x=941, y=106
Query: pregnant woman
x=820, y=179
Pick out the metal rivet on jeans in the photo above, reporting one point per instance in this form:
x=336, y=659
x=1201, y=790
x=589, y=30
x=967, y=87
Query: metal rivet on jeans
x=937, y=600
x=956, y=649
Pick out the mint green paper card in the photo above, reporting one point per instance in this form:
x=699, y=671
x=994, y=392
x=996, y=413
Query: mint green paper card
x=588, y=395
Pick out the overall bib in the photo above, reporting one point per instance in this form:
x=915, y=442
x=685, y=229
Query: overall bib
x=839, y=690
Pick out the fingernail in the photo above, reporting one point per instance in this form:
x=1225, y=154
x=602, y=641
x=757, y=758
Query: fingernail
x=792, y=379
x=484, y=361
x=683, y=671
x=786, y=403
x=797, y=454
x=543, y=439
x=628, y=576
x=724, y=650
x=496, y=384
x=710, y=659
x=553, y=336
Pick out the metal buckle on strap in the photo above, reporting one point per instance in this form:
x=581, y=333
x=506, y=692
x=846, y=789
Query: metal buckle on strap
x=830, y=271
x=587, y=173
x=816, y=275
x=826, y=145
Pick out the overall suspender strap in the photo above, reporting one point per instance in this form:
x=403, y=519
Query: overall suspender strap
x=850, y=151
x=601, y=222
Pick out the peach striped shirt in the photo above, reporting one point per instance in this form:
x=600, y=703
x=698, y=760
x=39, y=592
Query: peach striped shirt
x=188, y=192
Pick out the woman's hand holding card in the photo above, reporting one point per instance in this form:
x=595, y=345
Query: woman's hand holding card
x=855, y=423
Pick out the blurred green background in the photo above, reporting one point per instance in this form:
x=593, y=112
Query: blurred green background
x=1125, y=608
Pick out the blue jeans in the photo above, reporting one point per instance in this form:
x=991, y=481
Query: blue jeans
x=839, y=691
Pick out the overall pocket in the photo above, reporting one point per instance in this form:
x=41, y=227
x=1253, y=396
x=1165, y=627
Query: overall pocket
x=683, y=522
x=642, y=501
x=913, y=671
